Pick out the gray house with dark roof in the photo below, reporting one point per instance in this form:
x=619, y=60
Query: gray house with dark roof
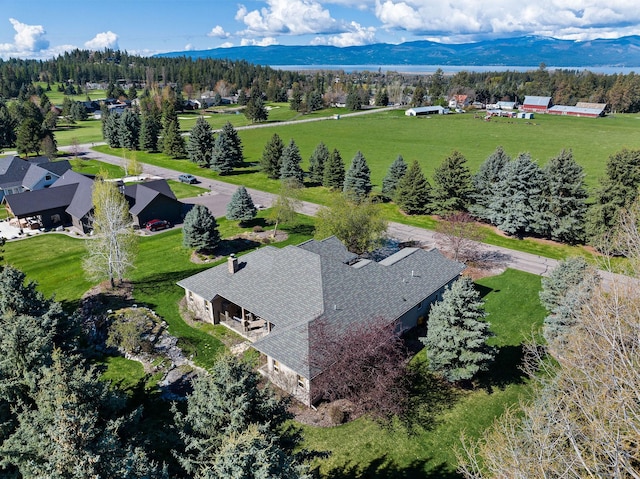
x=18, y=175
x=274, y=296
x=69, y=201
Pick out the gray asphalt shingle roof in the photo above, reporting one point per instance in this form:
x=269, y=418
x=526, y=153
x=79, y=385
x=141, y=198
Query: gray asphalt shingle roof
x=294, y=286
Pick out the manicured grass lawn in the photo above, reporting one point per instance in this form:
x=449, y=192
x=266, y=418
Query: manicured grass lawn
x=88, y=131
x=184, y=190
x=363, y=449
x=93, y=167
x=54, y=261
x=56, y=97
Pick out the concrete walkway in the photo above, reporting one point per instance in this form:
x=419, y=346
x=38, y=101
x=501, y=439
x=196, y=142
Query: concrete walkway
x=220, y=193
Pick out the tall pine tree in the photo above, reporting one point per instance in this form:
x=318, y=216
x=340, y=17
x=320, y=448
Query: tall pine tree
x=172, y=141
x=451, y=185
x=456, y=341
x=485, y=182
x=333, y=174
x=200, y=229
x=290, y=169
x=564, y=200
x=316, y=163
x=200, y=144
x=413, y=194
x=357, y=180
x=516, y=205
x=271, y=158
x=396, y=171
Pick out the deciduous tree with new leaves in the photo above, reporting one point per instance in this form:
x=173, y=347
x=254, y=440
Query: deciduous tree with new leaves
x=112, y=249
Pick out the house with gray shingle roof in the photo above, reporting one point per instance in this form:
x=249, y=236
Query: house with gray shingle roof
x=18, y=175
x=275, y=296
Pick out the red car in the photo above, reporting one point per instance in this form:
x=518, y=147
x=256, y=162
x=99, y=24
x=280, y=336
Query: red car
x=156, y=225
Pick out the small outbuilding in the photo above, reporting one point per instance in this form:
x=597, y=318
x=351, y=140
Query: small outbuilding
x=426, y=110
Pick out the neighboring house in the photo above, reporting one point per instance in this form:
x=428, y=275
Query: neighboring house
x=459, y=101
x=276, y=296
x=426, y=110
x=536, y=104
x=505, y=105
x=69, y=202
x=18, y=175
x=153, y=200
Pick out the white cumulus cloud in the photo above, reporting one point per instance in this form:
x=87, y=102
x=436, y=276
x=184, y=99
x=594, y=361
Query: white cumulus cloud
x=262, y=42
x=218, y=32
x=465, y=20
x=288, y=17
x=103, y=40
x=28, y=40
x=358, y=35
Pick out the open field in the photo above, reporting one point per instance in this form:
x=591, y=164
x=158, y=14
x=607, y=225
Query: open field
x=383, y=136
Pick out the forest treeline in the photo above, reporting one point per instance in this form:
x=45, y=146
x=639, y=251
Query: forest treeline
x=566, y=87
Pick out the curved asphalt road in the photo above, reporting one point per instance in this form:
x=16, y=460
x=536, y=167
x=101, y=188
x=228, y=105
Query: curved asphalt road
x=220, y=193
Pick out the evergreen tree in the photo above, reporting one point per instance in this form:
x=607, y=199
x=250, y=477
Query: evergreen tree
x=456, y=341
x=78, y=111
x=564, y=292
x=241, y=206
x=29, y=136
x=232, y=146
x=354, y=102
x=251, y=455
x=290, y=169
x=413, y=193
x=382, y=98
x=485, y=182
x=129, y=130
x=242, y=98
x=516, y=205
x=357, y=180
x=200, y=229
x=172, y=141
x=451, y=185
x=295, y=103
x=169, y=114
x=66, y=429
x=49, y=146
x=7, y=128
x=314, y=101
x=619, y=189
x=333, y=174
x=200, y=144
x=110, y=130
x=255, y=111
x=565, y=198
x=150, y=127
x=396, y=171
x=316, y=163
x=223, y=411
x=271, y=159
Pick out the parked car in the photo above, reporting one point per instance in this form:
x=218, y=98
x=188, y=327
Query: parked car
x=186, y=178
x=156, y=225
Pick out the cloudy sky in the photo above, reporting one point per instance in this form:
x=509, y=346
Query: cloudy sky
x=41, y=29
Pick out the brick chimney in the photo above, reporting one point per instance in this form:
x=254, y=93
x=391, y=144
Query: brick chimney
x=232, y=263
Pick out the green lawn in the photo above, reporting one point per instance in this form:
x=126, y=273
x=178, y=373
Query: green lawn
x=88, y=131
x=93, y=167
x=184, y=190
x=363, y=449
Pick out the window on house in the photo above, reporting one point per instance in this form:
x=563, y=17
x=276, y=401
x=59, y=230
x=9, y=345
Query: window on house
x=276, y=365
x=189, y=296
x=300, y=381
x=47, y=178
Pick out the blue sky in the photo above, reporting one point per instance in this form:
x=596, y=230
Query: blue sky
x=41, y=29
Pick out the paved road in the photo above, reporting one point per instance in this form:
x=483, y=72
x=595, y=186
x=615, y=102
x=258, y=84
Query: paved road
x=220, y=193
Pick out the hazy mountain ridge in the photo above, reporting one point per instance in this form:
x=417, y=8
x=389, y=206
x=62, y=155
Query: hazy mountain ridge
x=519, y=51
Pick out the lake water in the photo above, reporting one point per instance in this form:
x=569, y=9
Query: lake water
x=448, y=69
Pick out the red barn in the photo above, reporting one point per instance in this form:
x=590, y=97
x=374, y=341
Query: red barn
x=536, y=104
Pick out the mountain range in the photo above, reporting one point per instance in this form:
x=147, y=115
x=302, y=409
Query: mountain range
x=520, y=51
